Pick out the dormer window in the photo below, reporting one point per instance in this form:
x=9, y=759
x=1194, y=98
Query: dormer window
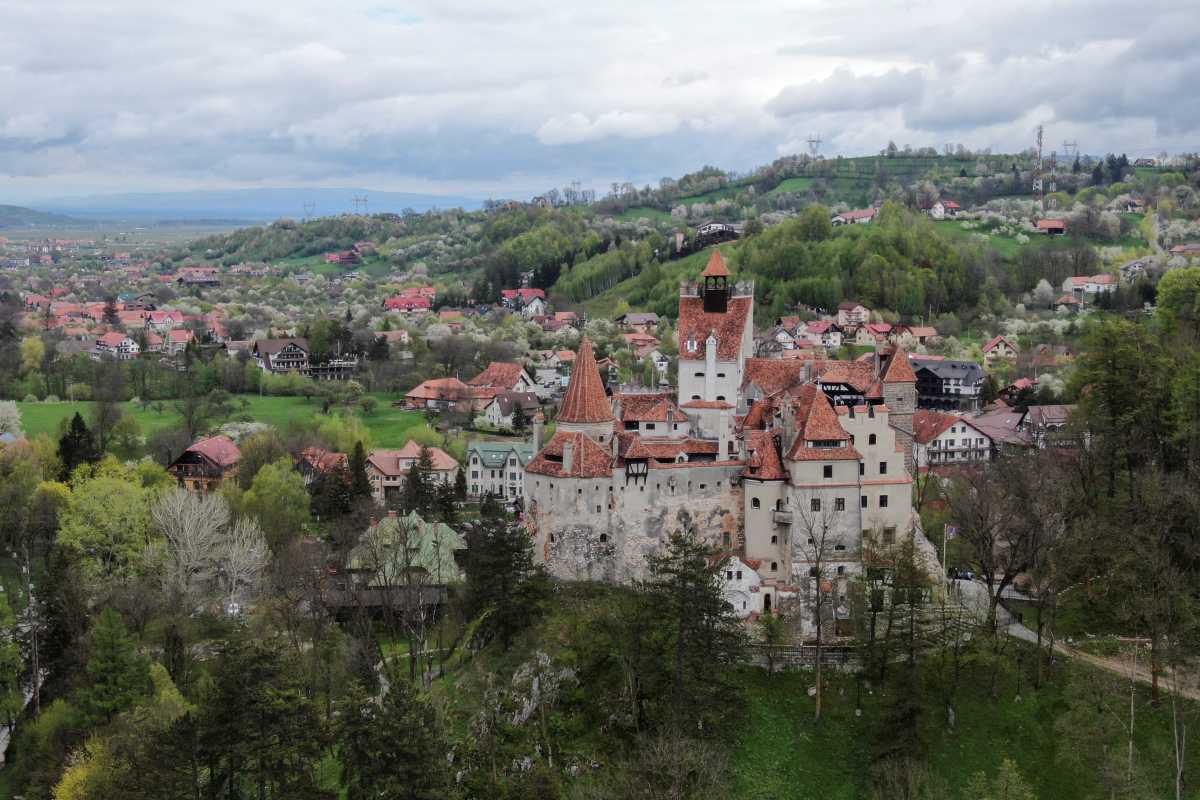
x=692, y=345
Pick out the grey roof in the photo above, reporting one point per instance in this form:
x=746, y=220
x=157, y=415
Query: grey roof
x=495, y=454
x=639, y=318
x=966, y=371
x=507, y=402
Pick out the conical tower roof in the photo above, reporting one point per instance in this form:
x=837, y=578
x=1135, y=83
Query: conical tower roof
x=716, y=266
x=585, y=400
x=898, y=369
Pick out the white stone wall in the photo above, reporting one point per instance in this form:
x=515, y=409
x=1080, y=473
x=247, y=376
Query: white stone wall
x=693, y=380
x=603, y=529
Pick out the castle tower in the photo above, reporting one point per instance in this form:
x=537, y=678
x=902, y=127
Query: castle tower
x=585, y=407
x=900, y=396
x=716, y=285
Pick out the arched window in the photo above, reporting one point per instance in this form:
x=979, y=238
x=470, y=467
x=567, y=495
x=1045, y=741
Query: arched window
x=755, y=503
x=871, y=439
x=603, y=538
x=779, y=505
x=774, y=566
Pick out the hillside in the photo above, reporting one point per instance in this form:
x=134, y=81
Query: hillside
x=21, y=217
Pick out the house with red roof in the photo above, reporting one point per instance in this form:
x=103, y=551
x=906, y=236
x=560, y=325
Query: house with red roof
x=1081, y=286
x=1000, y=349
x=206, y=464
x=388, y=469
x=507, y=376
x=852, y=315
x=413, y=304
x=116, y=346
x=439, y=394
x=940, y=438
x=1052, y=227
x=859, y=217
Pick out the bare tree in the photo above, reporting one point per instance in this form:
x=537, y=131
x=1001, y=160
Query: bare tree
x=816, y=533
x=193, y=526
x=241, y=558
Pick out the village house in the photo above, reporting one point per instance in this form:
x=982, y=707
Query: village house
x=507, y=376
x=387, y=470
x=498, y=468
x=940, y=438
x=438, y=394
x=282, y=355
x=1082, y=286
x=401, y=554
x=944, y=209
x=873, y=333
x=852, y=315
x=198, y=276
x=740, y=584
x=529, y=302
x=117, y=346
x=860, y=217
x=638, y=321
x=1052, y=227
x=1068, y=304
x=947, y=385
x=206, y=464
x=1047, y=425
x=314, y=462
x=999, y=349
x=912, y=336
x=501, y=410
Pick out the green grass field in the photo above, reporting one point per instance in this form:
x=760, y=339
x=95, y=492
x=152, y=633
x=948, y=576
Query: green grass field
x=638, y=212
x=389, y=426
x=781, y=753
x=793, y=185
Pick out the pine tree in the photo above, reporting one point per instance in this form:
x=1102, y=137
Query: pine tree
x=502, y=578
x=332, y=495
x=447, y=503
x=392, y=748
x=460, y=485
x=419, y=492
x=118, y=673
x=111, y=315
x=520, y=420
x=76, y=446
x=360, y=484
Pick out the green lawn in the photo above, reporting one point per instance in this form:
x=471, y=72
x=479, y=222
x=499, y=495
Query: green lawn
x=781, y=753
x=793, y=185
x=389, y=426
x=638, y=212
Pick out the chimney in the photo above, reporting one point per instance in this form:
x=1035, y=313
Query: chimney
x=568, y=455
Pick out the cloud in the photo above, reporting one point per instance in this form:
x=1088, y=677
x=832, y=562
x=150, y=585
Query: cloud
x=845, y=91
x=576, y=127
x=510, y=98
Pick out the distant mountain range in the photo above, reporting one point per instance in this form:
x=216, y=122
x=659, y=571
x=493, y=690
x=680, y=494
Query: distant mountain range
x=20, y=217
x=246, y=204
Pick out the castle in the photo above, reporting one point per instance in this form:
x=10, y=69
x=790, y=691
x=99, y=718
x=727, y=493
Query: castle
x=789, y=465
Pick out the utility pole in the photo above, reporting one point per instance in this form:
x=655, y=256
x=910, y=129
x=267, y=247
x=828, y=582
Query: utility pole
x=814, y=145
x=1037, y=172
x=309, y=208
x=360, y=204
x=1070, y=150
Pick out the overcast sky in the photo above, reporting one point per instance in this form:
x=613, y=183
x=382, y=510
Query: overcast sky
x=509, y=98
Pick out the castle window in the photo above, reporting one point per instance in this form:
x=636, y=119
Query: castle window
x=739, y=574
x=816, y=504
x=864, y=501
x=720, y=397
x=828, y=471
x=774, y=566
x=603, y=538
x=774, y=540
x=883, y=501
x=839, y=547
x=720, y=374
x=862, y=468
x=841, y=571
x=883, y=468
x=871, y=439
x=698, y=375
x=703, y=486
x=597, y=509
x=839, y=504
x=755, y=503
x=728, y=574
x=552, y=538
x=695, y=397
x=889, y=535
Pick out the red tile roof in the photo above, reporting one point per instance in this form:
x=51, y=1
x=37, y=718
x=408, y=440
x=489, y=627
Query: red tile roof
x=218, y=449
x=898, y=369
x=696, y=324
x=585, y=400
x=996, y=340
x=928, y=425
x=706, y=404
x=588, y=459
x=389, y=461
x=322, y=460
x=500, y=374
x=448, y=389
x=771, y=375
x=716, y=266
x=652, y=407
x=765, y=463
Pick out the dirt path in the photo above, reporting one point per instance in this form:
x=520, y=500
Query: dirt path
x=1120, y=667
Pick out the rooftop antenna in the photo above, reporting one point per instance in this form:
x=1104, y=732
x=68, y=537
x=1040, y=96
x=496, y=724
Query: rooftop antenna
x=360, y=204
x=309, y=208
x=814, y=144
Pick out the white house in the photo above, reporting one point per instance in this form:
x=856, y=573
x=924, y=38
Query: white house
x=741, y=585
x=821, y=333
x=940, y=438
x=944, y=209
x=860, y=217
x=852, y=315
x=501, y=410
x=498, y=468
x=1079, y=286
x=116, y=345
